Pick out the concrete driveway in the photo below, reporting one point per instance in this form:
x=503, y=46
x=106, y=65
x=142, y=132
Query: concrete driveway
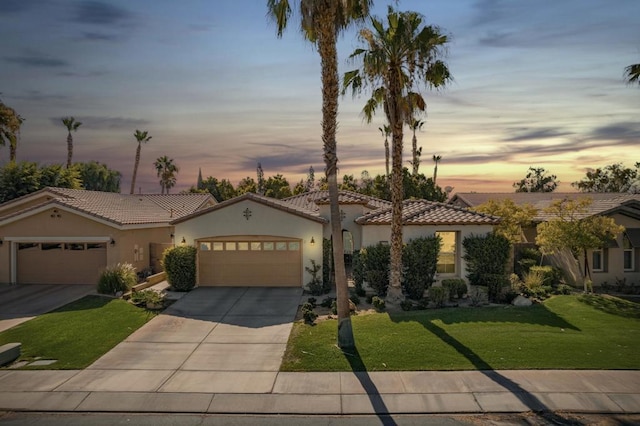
x=20, y=303
x=211, y=340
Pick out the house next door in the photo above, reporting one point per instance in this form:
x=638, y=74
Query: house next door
x=250, y=261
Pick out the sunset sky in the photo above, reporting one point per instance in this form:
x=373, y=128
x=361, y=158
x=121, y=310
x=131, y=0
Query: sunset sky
x=536, y=83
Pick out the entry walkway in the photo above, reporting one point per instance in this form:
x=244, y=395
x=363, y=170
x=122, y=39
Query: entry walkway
x=218, y=350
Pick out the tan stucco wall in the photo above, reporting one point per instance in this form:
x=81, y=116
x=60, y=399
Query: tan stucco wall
x=264, y=220
x=373, y=234
x=70, y=225
x=352, y=212
x=615, y=260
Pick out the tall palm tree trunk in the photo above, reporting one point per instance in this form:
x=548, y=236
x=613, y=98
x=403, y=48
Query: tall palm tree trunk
x=135, y=169
x=394, y=292
x=330, y=93
x=386, y=155
x=414, y=154
x=69, y=149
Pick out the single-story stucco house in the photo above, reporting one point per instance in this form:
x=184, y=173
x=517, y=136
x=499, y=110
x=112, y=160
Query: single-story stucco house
x=260, y=241
x=67, y=236
x=618, y=260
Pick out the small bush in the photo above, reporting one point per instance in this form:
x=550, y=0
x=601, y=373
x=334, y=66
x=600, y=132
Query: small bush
x=495, y=283
x=327, y=301
x=550, y=275
x=378, y=303
x=455, y=286
x=308, y=314
x=308, y=306
x=312, y=301
x=334, y=307
x=180, y=265
x=147, y=298
x=506, y=295
x=406, y=305
x=375, y=264
x=117, y=278
x=438, y=296
x=477, y=295
x=355, y=299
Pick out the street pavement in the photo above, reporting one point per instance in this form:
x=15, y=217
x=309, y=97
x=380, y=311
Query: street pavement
x=218, y=350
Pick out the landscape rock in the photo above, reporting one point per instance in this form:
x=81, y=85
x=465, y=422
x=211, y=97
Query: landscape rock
x=521, y=301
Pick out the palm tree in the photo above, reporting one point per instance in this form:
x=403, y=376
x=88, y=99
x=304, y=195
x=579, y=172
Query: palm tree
x=632, y=74
x=396, y=58
x=321, y=22
x=140, y=137
x=71, y=124
x=436, y=159
x=10, y=122
x=386, y=132
x=166, y=171
x=415, y=125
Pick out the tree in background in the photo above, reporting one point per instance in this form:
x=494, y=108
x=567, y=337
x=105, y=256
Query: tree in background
x=10, y=122
x=310, y=183
x=386, y=132
x=141, y=137
x=436, y=160
x=632, y=74
x=415, y=125
x=72, y=125
x=349, y=183
x=419, y=186
x=610, y=178
x=398, y=58
x=514, y=217
x=166, y=170
x=25, y=177
x=277, y=187
x=246, y=185
x=199, y=181
x=537, y=180
x=96, y=176
x=571, y=228
x=260, y=183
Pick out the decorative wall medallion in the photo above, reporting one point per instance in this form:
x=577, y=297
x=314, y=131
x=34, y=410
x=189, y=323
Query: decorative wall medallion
x=246, y=213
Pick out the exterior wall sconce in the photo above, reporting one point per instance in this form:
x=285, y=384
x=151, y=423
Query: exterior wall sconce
x=183, y=242
x=312, y=242
x=112, y=242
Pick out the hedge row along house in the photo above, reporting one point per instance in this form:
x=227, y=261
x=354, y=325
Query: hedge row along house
x=617, y=260
x=67, y=236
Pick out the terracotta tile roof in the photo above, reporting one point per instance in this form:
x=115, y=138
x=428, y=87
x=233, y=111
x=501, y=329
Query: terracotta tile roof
x=422, y=212
x=272, y=202
x=603, y=202
x=311, y=200
x=124, y=209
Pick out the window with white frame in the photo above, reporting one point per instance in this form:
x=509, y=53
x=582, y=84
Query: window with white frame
x=628, y=254
x=447, y=255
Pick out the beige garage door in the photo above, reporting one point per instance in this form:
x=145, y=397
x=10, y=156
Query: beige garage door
x=250, y=261
x=60, y=263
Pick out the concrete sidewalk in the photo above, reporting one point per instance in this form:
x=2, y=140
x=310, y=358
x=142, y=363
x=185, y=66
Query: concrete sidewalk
x=131, y=390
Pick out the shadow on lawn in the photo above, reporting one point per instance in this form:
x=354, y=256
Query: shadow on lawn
x=529, y=400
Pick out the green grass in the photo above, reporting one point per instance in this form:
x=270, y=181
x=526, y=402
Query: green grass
x=561, y=333
x=77, y=334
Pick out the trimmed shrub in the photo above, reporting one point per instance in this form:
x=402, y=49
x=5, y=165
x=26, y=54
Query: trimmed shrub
x=117, y=278
x=438, y=296
x=355, y=299
x=485, y=255
x=308, y=314
x=526, y=257
x=375, y=261
x=455, y=286
x=358, y=273
x=419, y=258
x=180, y=265
x=312, y=301
x=316, y=286
x=327, y=301
x=378, y=303
x=406, y=305
x=334, y=307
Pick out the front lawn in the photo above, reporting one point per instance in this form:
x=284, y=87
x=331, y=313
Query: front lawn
x=77, y=334
x=561, y=333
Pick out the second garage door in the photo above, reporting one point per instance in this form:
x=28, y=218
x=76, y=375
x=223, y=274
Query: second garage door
x=250, y=261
